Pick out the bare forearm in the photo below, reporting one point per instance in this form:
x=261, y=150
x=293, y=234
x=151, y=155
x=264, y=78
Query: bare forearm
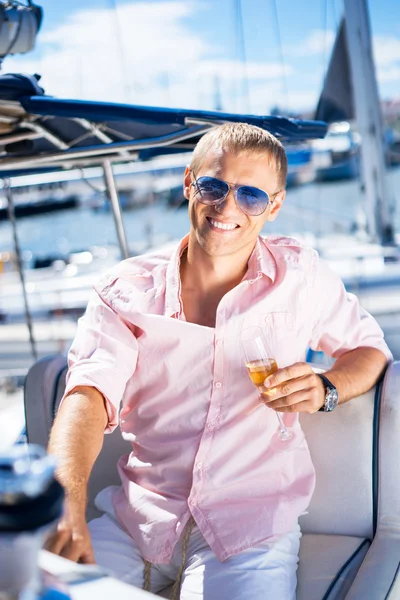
x=76, y=440
x=357, y=371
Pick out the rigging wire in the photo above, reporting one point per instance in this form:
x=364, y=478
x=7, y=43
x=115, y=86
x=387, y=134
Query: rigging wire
x=241, y=54
x=20, y=266
x=320, y=221
x=335, y=16
x=281, y=54
x=325, y=30
x=126, y=84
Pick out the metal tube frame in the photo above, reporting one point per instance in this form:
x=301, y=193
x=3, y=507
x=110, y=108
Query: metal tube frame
x=101, y=152
x=48, y=135
x=18, y=137
x=95, y=129
x=105, y=156
x=112, y=193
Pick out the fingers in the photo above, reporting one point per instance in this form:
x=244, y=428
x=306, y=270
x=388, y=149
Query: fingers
x=74, y=548
x=58, y=539
x=288, y=403
x=288, y=373
x=72, y=544
x=302, y=407
x=289, y=387
x=305, y=393
x=87, y=557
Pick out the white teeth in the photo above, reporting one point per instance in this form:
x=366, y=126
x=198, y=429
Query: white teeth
x=226, y=226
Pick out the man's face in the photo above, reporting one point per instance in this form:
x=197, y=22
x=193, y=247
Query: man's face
x=241, y=169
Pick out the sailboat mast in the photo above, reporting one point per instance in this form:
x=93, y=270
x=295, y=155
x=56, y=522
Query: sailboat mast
x=369, y=119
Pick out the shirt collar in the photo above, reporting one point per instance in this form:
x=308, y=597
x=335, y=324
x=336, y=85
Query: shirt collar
x=173, y=280
x=261, y=262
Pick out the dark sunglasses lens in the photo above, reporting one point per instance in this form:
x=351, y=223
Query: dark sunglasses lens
x=210, y=190
x=252, y=200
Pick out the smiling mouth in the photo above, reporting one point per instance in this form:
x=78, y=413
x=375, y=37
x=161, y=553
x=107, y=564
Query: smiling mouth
x=222, y=226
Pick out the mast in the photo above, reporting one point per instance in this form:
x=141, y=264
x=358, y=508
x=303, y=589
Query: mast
x=369, y=119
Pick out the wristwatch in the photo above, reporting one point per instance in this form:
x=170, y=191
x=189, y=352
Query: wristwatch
x=331, y=394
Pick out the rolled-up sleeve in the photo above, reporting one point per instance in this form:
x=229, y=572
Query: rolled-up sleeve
x=103, y=355
x=340, y=323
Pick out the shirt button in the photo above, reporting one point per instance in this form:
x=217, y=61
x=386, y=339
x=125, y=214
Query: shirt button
x=267, y=318
x=210, y=426
x=199, y=465
x=251, y=280
x=192, y=502
x=217, y=342
x=218, y=384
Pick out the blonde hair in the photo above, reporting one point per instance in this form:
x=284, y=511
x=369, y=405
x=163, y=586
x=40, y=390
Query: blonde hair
x=241, y=138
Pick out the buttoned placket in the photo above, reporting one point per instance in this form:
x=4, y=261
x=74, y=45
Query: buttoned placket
x=216, y=398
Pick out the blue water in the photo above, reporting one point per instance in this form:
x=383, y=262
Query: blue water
x=318, y=207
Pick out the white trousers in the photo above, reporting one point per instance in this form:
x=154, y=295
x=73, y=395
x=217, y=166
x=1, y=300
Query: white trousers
x=265, y=572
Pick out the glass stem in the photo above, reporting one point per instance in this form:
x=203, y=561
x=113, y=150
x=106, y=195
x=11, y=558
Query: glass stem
x=281, y=423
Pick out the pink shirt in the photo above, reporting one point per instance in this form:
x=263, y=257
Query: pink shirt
x=186, y=401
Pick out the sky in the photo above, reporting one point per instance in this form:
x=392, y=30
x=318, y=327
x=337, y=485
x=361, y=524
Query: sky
x=200, y=53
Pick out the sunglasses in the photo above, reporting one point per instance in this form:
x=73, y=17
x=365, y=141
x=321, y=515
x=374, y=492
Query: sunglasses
x=213, y=191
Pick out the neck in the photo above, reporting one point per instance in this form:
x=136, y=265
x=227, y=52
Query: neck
x=212, y=273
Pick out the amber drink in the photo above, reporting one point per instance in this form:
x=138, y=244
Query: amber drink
x=259, y=370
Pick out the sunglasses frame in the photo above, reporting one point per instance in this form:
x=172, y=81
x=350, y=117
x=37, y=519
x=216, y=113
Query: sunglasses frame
x=234, y=187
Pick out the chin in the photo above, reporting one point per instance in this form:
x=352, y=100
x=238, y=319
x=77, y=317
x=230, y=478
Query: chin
x=222, y=249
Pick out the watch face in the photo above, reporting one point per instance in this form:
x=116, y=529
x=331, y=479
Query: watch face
x=331, y=399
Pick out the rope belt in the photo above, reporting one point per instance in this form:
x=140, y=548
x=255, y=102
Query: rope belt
x=176, y=588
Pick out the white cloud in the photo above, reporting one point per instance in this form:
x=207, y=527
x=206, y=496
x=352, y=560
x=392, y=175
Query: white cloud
x=389, y=75
x=303, y=100
x=387, y=59
x=99, y=54
x=386, y=51
x=317, y=42
x=146, y=53
x=232, y=69
x=143, y=54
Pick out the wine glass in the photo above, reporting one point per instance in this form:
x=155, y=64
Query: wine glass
x=260, y=364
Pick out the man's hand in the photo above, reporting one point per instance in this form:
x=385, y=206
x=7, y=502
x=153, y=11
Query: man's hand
x=71, y=538
x=294, y=389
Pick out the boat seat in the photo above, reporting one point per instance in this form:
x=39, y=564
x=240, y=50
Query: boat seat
x=351, y=533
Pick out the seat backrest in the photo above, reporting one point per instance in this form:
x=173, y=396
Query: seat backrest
x=343, y=446
x=44, y=388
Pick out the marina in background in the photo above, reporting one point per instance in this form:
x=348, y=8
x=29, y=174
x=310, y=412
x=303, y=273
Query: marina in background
x=76, y=246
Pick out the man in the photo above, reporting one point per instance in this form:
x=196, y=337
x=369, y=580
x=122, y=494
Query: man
x=206, y=497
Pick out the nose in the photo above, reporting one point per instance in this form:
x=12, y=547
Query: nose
x=228, y=207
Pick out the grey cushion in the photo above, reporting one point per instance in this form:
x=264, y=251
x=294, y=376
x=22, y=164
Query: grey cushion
x=341, y=446
x=328, y=564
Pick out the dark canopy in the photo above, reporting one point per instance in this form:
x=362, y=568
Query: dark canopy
x=39, y=132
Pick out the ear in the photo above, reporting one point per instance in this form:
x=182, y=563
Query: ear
x=187, y=181
x=276, y=205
